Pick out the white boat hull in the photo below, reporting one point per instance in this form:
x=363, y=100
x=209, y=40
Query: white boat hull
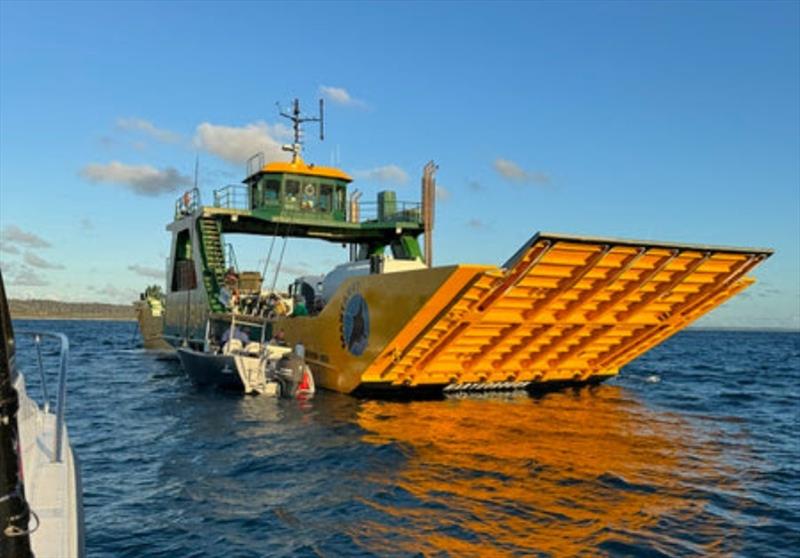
x=241, y=370
x=53, y=489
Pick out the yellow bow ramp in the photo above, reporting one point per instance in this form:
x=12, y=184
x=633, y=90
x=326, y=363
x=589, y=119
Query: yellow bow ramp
x=563, y=309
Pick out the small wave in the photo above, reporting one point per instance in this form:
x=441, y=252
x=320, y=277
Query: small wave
x=706, y=463
x=619, y=483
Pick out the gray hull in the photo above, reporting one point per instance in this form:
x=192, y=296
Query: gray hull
x=210, y=370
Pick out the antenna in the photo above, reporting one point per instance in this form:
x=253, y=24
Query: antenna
x=321, y=120
x=297, y=120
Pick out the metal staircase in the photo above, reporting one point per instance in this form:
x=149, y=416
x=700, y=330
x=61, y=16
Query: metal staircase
x=213, y=261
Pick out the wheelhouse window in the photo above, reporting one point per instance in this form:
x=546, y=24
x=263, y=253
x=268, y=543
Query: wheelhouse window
x=339, y=199
x=272, y=190
x=291, y=192
x=325, y=198
x=266, y=192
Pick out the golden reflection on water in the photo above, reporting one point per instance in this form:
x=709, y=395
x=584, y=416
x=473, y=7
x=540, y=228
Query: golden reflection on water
x=558, y=475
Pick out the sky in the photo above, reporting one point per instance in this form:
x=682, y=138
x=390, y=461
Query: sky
x=673, y=121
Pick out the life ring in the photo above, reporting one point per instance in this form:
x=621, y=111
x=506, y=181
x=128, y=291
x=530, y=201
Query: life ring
x=309, y=189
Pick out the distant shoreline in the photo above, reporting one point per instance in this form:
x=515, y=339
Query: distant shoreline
x=765, y=329
x=72, y=318
x=96, y=311
x=38, y=309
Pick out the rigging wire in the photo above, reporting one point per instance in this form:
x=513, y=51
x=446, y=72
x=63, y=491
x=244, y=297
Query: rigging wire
x=269, y=256
x=280, y=261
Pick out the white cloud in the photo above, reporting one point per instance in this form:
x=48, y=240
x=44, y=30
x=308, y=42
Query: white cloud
x=147, y=271
x=340, y=96
x=141, y=179
x=35, y=261
x=295, y=270
x=237, y=144
x=21, y=276
x=391, y=174
x=27, y=277
x=513, y=172
x=442, y=194
x=147, y=127
x=12, y=234
x=476, y=224
x=8, y=248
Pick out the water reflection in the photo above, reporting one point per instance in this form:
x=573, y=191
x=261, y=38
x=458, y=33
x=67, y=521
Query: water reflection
x=566, y=474
x=587, y=472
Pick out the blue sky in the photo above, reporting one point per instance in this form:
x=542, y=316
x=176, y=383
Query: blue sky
x=668, y=121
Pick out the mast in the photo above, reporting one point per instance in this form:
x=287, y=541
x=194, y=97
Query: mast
x=297, y=122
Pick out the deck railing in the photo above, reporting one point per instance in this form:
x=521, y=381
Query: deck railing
x=236, y=196
x=188, y=203
x=232, y=196
x=255, y=163
x=61, y=401
x=396, y=211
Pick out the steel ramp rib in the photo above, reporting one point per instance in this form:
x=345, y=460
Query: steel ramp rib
x=569, y=308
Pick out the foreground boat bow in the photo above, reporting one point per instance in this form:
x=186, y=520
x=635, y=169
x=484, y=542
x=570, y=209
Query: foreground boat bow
x=42, y=514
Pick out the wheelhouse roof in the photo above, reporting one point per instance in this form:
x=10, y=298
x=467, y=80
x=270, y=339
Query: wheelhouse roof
x=301, y=167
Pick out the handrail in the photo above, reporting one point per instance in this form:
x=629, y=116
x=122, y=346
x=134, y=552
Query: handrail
x=232, y=196
x=395, y=211
x=255, y=163
x=189, y=202
x=230, y=257
x=236, y=196
x=61, y=402
x=37, y=340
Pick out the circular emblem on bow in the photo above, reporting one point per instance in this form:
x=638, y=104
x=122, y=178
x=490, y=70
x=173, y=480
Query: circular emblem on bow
x=355, y=324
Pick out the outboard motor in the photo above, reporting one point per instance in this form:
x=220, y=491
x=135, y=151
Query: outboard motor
x=289, y=374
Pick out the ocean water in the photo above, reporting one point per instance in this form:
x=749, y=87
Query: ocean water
x=692, y=451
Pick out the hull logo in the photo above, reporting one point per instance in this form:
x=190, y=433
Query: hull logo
x=355, y=324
